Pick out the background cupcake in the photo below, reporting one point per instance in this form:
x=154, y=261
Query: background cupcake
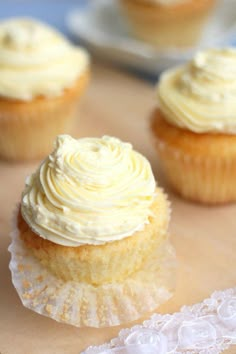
x=195, y=126
x=42, y=75
x=167, y=23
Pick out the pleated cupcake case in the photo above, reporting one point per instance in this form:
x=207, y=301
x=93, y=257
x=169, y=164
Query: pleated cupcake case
x=85, y=305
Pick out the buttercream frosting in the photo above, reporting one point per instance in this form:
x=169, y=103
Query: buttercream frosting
x=36, y=60
x=201, y=95
x=89, y=191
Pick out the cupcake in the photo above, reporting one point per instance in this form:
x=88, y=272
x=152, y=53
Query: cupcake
x=42, y=76
x=90, y=247
x=167, y=23
x=195, y=126
x=92, y=212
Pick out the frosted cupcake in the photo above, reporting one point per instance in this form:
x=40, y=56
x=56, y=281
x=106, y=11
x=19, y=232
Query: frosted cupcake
x=42, y=76
x=90, y=246
x=195, y=126
x=92, y=203
x=168, y=23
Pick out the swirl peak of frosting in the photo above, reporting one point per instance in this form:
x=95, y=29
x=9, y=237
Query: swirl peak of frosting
x=36, y=60
x=89, y=191
x=201, y=95
x=23, y=34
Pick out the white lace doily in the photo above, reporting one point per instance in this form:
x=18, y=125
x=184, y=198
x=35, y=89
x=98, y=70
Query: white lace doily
x=205, y=328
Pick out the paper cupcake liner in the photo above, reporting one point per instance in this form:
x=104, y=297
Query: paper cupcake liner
x=25, y=140
x=173, y=27
x=84, y=305
x=28, y=129
x=203, y=179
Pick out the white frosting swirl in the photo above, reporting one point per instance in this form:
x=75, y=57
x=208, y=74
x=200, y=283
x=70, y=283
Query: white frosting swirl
x=201, y=96
x=89, y=191
x=36, y=60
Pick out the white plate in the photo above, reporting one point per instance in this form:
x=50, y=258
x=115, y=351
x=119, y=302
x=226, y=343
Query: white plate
x=100, y=26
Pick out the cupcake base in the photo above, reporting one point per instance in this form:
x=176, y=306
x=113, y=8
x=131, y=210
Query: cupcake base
x=199, y=167
x=28, y=129
x=84, y=305
x=106, y=263
x=178, y=25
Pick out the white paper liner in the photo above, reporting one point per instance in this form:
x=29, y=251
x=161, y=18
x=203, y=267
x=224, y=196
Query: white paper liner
x=198, y=178
x=84, y=305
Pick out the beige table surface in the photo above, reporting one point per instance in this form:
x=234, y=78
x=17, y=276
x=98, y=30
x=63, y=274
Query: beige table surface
x=205, y=238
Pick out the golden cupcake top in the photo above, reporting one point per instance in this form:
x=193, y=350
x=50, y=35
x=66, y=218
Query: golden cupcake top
x=201, y=95
x=89, y=191
x=36, y=60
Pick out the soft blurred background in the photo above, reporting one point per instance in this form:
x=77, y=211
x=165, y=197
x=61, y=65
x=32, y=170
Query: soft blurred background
x=50, y=11
x=102, y=27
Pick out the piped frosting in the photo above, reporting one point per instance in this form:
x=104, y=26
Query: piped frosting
x=201, y=95
x=36, y=60
x=89, y=191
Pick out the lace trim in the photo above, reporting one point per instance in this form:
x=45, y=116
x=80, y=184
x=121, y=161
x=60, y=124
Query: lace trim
x=205, y=328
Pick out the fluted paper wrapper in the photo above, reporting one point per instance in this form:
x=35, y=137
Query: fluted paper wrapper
x=204, y=179
x=28, y=129
x=84, y=305
x=154, y=24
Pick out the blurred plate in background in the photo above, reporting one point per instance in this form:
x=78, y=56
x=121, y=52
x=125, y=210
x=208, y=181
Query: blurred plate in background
x=100, y=26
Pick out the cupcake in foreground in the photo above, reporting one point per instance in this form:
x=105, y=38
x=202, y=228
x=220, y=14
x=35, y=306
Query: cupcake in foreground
x=42, y=76
x=195, y=126
x=93, y=220
x=92, y=203
x=168, y=23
